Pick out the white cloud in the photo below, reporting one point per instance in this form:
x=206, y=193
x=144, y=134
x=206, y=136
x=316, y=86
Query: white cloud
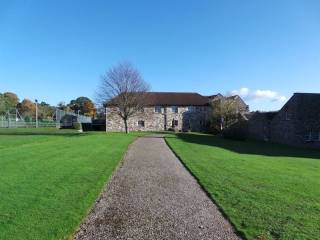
x=242, y=92
x=259, y=94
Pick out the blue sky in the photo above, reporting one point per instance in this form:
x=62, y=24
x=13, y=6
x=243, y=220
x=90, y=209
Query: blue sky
x=264, y=50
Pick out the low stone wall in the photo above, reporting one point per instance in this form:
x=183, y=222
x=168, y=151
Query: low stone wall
x=258, y=127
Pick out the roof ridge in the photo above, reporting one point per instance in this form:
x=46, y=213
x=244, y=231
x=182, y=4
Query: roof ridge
x=174, y=92
x=306, y=93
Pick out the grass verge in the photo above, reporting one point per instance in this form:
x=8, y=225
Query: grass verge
x=268, y=191
x=50, y=178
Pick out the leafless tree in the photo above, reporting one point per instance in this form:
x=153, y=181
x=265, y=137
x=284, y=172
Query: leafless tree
x=123, y=87
x=224, y=113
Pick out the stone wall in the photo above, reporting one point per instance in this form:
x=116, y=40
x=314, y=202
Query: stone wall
x=298, y=122
x=194, y=118
x=258, y=127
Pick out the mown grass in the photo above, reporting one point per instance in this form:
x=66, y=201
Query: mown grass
x=49, y=179
x=268, y=191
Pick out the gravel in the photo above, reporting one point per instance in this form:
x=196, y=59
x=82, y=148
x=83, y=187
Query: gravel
x=152, y=196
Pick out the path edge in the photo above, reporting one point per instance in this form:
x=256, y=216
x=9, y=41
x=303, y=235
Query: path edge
x=221, y=210
x=104, y=188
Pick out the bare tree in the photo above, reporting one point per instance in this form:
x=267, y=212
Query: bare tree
x=123, y=87
x=224, y=113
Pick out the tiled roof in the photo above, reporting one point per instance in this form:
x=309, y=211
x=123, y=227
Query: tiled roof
x=174, y=99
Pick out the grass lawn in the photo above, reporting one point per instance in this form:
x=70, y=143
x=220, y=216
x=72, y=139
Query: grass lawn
x=268, y=191
x=50, y=178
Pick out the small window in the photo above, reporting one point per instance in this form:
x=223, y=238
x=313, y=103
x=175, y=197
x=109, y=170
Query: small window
x=157, y=109
x=174, y=109
x=175, y=123
x=140, y=123
x=319, y=136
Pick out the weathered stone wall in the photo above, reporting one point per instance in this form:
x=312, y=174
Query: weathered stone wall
x=298, y=123
x=258, y=127
x=195, y=119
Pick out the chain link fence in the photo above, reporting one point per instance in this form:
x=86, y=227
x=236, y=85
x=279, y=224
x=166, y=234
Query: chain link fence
x=60, y=119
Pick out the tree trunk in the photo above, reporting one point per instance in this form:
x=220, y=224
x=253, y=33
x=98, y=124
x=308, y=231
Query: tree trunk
x=125, y=125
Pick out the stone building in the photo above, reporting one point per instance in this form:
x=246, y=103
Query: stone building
x=164, y=111
x=241, y=106
x=297, y=123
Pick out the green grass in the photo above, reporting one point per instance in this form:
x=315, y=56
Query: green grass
x=50, y=178
x=268, y=191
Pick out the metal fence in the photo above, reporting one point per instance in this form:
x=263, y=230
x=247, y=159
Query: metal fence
x=60, y=118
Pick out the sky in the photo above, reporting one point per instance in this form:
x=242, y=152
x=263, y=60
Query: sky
x=262, y=50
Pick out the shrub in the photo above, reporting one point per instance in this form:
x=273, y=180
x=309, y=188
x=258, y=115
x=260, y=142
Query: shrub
x=76, y=125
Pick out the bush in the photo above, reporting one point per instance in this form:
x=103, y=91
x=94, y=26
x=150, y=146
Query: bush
x=77, y=126
x=237, y=131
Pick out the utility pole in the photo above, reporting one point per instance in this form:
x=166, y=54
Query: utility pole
x=36, y=113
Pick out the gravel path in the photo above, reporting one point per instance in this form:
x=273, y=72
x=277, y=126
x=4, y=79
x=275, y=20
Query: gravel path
x=152, y=196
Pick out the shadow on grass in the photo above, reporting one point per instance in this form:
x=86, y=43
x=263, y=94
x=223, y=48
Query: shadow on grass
x=249, y=147
x=39, y=132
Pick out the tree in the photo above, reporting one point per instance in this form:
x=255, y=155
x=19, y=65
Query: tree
x=8, y=101
x=11, y=100
x=84, y=105
x=45, y=111
x=2, y=104
x=27, y=108
x=123, y=87
x=62, y=106
x=224, y=113
x=89, y=109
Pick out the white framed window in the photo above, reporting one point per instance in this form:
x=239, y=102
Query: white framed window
x=174, y=109
x=157, y=109
x=140, y=123
x=175, y=123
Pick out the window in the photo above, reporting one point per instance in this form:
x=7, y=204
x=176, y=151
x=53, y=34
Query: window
x=175, y=123
x=140, y=123
x=174, y=109
x=157, y=109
